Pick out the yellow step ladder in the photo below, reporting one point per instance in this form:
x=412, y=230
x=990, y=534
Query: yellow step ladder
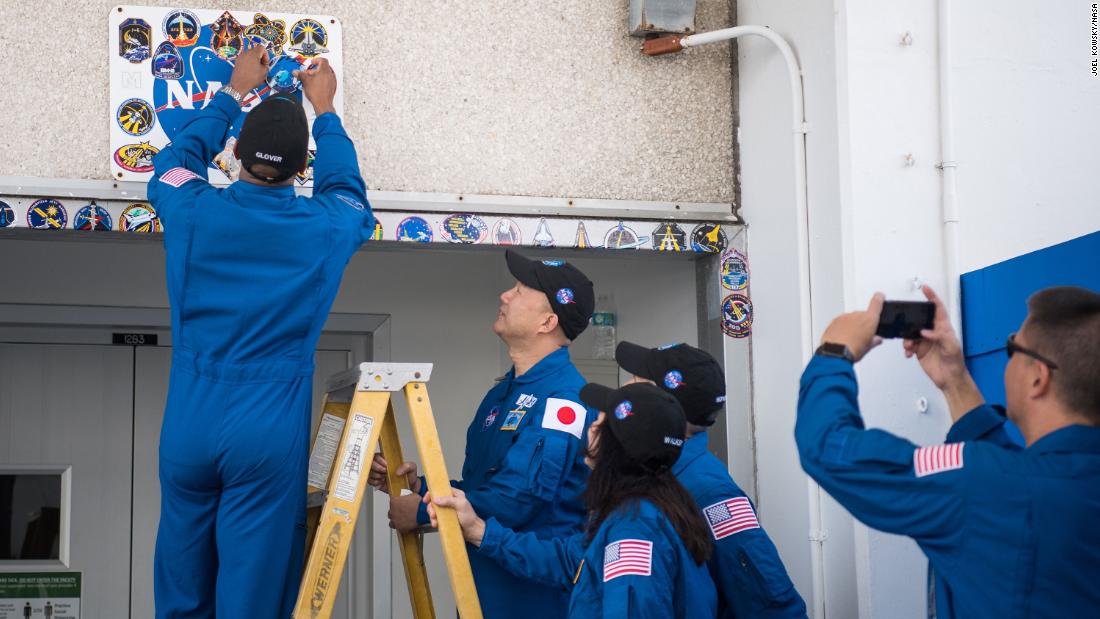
x=357, y=414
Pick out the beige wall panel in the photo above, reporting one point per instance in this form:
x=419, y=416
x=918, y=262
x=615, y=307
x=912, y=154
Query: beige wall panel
x=519, y=97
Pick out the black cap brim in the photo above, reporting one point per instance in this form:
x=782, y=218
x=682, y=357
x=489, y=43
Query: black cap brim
x=523, y=269
x=635, y=359
x=597, y=396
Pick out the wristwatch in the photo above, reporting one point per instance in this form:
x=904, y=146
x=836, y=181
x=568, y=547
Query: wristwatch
x=840, y=351
x=229, y=90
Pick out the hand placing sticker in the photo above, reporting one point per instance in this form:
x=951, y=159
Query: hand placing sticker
x=319, y=85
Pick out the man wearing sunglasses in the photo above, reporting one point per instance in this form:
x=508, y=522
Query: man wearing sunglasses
x=1009, y=531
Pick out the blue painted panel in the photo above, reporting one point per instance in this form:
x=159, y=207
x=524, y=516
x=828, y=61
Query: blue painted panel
x=994, y=302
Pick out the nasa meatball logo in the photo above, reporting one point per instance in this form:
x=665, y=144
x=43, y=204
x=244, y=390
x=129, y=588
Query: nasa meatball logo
x=624, y=409
x=674, y=379
x=490, y=418
x=565, y=296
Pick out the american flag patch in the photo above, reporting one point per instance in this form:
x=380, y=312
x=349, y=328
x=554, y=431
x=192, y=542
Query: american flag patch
x=938, y=458
x=730, y=516
x=177, y=176
x=627, y=557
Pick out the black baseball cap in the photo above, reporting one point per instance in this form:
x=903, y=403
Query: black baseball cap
x=275, y=133
x=647, y=421
x=570, y=292
x=692, y=375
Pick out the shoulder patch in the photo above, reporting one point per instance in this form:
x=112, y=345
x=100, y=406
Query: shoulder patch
x=352, y=202
x=730, y=516
x=937, y=459
x=176, y=177
x=627, y=557
x=564, y=415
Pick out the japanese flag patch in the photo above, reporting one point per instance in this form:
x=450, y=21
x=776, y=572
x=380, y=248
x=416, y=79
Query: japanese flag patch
x=176, y=177
x=730, y=516
x=627, y=557
x=937, y=459
x=564, y=415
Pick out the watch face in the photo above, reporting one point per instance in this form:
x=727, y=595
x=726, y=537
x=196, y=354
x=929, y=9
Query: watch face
x=832, y=349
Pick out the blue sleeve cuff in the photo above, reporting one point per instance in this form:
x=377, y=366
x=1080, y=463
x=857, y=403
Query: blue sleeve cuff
x=423, y=486
x=490, y=541
x=226, y=104
x=822, y=365
x=326, y=122
x=975, y=424
x=422, y=514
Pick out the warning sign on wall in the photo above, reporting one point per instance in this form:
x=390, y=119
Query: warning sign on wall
x=40, y=595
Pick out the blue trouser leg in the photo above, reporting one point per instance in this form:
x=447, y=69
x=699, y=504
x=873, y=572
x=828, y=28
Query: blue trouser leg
x=186, y=560
x=261, y=517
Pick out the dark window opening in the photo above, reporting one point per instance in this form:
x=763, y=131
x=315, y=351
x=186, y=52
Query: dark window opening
x=30, y=516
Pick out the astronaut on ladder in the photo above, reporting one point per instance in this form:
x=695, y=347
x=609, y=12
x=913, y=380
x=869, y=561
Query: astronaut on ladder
x=252, y=272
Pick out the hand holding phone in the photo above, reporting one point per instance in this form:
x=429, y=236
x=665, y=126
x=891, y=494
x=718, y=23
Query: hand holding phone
x=905, y=319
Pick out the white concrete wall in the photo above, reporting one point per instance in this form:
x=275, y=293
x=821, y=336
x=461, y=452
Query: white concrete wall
x=522, y=97
x=1024, y=105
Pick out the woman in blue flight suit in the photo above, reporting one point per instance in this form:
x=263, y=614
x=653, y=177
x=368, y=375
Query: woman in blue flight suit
x=645, y=548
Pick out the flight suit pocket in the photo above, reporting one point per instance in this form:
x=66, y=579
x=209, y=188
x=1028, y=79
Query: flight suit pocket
x=546, y=466
x=760, y=563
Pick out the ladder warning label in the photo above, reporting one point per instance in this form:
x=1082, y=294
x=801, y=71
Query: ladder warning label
x=351, y=461
x=324, y=450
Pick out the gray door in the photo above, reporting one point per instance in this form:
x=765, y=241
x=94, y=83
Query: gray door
x=60, y=405
x=151, y=370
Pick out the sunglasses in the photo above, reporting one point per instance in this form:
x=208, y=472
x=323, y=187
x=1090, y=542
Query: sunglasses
x=1011, y=347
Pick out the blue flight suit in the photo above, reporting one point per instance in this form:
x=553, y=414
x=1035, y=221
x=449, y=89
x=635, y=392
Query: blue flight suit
x=674, y=587
x=528, y=476
x=252, y=272
x=745, y=566
x=1010, y=532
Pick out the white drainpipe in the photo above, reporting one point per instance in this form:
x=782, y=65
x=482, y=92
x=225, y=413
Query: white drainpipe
x=949, y=167
x=666, y=45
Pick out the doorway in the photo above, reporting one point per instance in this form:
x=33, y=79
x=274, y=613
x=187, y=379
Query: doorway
x=71, y=400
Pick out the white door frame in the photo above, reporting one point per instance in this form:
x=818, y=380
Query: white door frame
x=367, y=336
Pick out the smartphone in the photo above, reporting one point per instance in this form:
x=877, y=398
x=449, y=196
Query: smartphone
x=905, y=319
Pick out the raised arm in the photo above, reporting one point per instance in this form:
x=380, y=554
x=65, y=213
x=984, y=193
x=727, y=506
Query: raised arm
x=188, y=157
x=336, y=178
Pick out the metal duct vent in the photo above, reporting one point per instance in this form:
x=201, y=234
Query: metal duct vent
x=661, y=16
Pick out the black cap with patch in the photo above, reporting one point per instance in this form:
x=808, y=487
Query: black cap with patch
x=648, y=422
x=276, y=134
x=692, y=375
x=570, y=292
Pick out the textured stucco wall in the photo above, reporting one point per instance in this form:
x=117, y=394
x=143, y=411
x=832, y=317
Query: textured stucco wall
x=499, y=96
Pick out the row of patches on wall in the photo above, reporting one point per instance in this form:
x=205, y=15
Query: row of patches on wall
x=464, y=229
x=50, y=214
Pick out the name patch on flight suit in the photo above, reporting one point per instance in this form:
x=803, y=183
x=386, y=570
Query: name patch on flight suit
x=937, y=459
x=515, y=416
